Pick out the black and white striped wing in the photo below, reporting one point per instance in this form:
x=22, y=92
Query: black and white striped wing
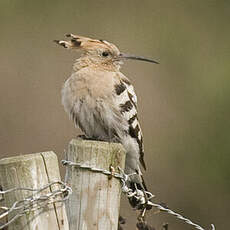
x=128, y=108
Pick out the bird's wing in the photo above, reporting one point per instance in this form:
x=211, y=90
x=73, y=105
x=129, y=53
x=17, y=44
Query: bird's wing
x=127, y=100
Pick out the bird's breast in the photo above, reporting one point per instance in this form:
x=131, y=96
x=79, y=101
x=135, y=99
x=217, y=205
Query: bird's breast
x=88, y=86
x=98, y=84
x=89, y=100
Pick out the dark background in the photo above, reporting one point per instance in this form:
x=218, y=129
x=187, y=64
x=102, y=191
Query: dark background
x=183, y=102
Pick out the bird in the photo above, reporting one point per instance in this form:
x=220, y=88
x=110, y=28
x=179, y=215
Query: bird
x=102, y=102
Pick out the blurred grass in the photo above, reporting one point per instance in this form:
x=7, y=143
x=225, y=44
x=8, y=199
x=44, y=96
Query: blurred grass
x=183, y=102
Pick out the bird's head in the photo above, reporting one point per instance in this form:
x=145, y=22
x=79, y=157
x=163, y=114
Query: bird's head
x=98, y=52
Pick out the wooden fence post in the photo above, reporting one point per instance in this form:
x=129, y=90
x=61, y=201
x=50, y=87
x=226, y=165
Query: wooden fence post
x=33, y=171
x=95, y=201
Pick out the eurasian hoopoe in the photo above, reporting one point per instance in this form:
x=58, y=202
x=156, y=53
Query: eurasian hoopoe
x=102, y=102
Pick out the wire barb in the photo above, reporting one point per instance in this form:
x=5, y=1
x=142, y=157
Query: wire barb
x=36, y=201
x=138, y=194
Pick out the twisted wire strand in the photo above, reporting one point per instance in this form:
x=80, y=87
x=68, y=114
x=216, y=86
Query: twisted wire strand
x=33, y=202
x=37, y=201
x=138, y=194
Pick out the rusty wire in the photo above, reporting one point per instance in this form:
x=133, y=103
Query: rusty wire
x=39, y=199
x=138, y=194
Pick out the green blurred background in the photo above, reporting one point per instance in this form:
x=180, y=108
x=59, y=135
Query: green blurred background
x=183, y=102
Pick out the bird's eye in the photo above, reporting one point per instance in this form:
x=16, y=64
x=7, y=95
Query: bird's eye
x=105, y=54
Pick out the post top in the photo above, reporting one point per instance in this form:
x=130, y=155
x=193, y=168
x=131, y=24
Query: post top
x=26, y=157
x=102, y=144
x=100, y=153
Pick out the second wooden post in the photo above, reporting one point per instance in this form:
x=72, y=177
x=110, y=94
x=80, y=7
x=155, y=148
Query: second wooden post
x=95, y=201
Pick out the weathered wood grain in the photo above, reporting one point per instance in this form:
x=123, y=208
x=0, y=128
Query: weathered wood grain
x=33, y=171
x=95, y=201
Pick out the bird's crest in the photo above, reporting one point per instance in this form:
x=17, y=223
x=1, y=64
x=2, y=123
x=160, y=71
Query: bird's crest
x=86, y=44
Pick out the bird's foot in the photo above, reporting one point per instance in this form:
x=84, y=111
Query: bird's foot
x=84, y=137
x=110, y=140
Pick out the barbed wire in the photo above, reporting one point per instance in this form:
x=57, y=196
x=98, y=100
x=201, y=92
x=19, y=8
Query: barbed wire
x=33, y=202
x=39, y=200
x=138, y=194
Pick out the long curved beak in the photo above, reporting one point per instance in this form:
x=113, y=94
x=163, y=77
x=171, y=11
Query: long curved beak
x=133, y=57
